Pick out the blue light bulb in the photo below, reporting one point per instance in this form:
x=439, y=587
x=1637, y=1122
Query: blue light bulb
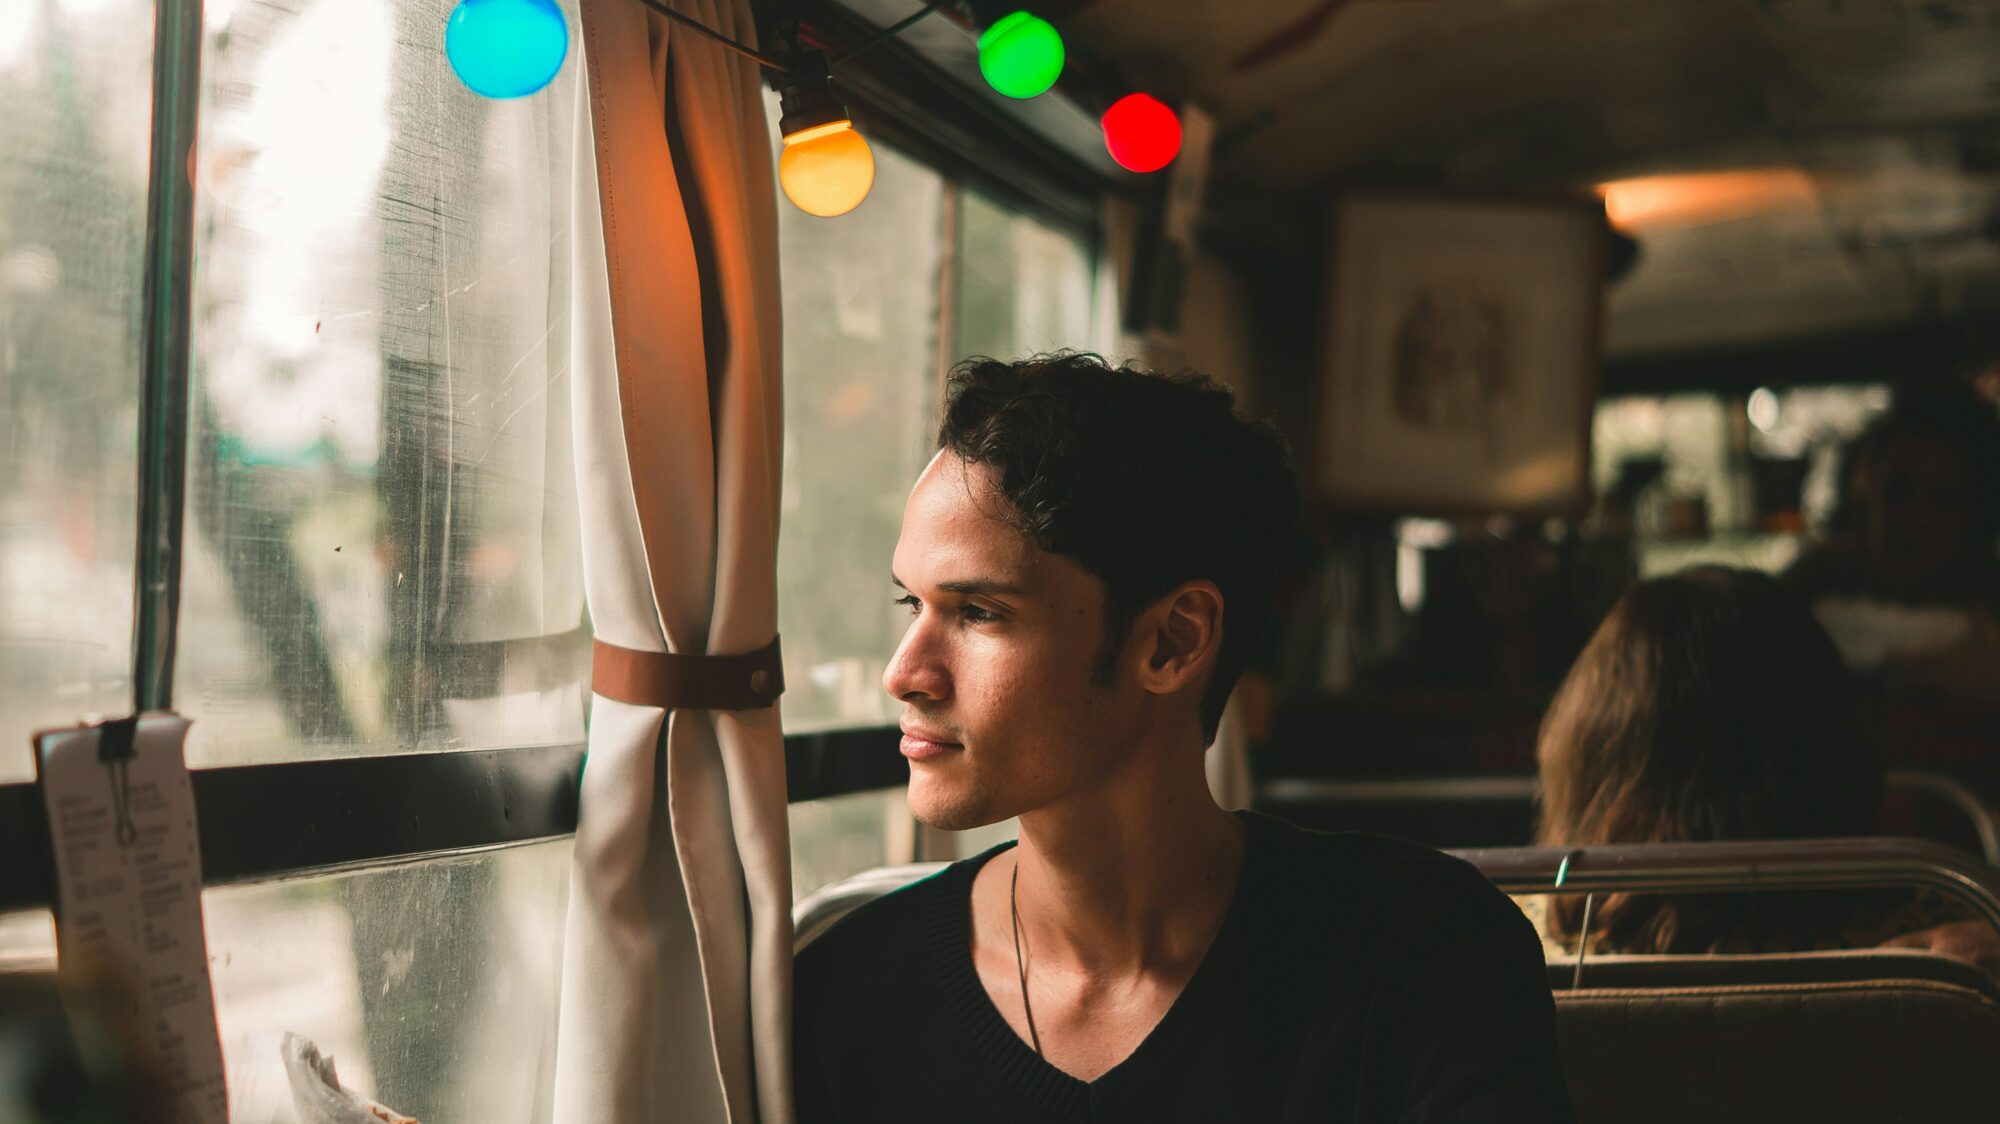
x=506, y=48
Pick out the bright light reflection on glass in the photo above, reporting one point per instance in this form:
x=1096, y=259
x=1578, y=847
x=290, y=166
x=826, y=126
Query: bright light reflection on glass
x=381, y=542
x=1763, y=409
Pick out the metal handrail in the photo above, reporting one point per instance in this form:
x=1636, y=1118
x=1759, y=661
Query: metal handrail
x=1958, y=794
x=1302, y=790
x=1783, y=864
x=1471, y=789
x=1656, y=868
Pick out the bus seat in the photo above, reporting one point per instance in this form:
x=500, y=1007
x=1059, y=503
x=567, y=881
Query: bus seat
x=1875, y=1050
x=818, y=911
x=1875, y=1035
x=1732, y=970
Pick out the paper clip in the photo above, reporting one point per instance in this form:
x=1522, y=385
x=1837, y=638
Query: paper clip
x=115, y=750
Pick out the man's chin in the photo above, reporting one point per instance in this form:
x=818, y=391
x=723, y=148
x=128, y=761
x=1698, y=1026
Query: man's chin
x=947, y=807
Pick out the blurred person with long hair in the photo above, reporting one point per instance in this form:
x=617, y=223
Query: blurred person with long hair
x=1709, y=706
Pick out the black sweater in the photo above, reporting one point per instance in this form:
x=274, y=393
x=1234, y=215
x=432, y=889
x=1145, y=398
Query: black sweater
x=1355, y=978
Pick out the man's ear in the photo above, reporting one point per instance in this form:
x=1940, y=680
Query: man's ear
x=1180, y=635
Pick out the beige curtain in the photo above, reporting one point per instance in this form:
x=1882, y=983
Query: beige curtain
x=677, y=963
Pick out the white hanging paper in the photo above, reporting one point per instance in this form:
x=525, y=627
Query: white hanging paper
x=128, y=896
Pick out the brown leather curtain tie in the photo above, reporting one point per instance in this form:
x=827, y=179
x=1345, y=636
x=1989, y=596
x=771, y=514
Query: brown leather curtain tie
x=682, y=682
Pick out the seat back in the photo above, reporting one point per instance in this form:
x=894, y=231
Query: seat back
x=1861, y=1050
x=1730, y=970
x=1868, y=1035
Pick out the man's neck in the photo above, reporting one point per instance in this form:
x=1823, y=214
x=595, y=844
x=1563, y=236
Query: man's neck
x=1132, y=879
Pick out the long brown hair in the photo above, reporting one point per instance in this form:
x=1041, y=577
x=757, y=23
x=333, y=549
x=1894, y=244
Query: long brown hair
x=1710, y=705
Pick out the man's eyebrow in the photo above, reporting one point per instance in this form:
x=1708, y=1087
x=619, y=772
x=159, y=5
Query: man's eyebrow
x=971, y=587
x=976, y=587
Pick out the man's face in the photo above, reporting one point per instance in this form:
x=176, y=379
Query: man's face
x=995, y=673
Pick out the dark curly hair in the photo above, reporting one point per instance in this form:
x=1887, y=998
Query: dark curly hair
x=1145, y=480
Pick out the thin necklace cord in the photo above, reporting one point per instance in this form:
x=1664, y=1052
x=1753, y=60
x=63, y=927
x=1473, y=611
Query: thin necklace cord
x=1021, y=964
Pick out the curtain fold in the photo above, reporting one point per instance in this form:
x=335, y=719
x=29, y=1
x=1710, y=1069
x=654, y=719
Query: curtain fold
x=677, y=963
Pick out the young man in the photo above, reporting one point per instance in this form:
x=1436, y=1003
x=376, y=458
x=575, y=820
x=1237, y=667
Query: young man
x=1088, y=562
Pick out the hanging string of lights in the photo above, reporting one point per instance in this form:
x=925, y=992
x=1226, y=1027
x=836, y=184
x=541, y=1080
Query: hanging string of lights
x=513, y=48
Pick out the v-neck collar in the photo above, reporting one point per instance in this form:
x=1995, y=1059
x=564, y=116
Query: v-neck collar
x=1056, y=1091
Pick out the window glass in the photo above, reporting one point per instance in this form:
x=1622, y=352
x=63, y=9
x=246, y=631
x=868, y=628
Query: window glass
x=28, y=941
x=843, y=836
x=861, y=386
x=864, y=363
x=1022, y=287
x=75, y=81
x=432, y=985
x=382, y=549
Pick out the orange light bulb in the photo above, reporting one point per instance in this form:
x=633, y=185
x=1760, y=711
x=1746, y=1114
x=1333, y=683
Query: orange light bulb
x=827, y=170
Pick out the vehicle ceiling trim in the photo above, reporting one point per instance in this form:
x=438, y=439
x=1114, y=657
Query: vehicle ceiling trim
x=900, y=95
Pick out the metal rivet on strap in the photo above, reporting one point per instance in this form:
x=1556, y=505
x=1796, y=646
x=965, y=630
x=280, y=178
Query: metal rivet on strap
x=760, y=683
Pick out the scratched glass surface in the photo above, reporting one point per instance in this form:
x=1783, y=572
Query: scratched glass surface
x=382, y=550
x=861, y=386
x=433, y=985
x=74, y=84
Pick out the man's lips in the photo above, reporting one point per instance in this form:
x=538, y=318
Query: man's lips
x=920, y=744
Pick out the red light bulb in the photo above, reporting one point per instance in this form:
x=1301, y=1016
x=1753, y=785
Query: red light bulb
x=1142, y=134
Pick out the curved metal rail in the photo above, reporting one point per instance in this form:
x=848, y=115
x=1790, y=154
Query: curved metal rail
x=1788, y=864
x=1958, y=794
x=817, y=912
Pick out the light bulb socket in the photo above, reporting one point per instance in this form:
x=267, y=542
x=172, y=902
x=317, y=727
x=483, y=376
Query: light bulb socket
x=806, y=97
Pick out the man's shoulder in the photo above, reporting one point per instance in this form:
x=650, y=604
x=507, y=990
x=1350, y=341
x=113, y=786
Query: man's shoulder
x=1356, y=853
x=1353, y=872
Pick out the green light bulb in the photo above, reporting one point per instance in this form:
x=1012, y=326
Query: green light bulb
x=1021, y=55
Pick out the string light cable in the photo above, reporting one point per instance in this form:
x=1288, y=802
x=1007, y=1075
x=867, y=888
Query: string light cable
x=507, y=49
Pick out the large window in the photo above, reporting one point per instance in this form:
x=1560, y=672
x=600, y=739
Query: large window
x=878, y=304
x=382, y=549
x=381, y=552
x=381, y=546
x=862, y=371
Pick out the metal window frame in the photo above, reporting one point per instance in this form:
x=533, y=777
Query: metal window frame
x=301, y=818
x=294, y=819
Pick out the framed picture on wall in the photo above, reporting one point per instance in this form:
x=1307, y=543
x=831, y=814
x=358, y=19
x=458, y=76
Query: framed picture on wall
x=1460, y=359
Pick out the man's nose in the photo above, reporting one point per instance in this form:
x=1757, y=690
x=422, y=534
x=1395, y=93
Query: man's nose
x=916, y=671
